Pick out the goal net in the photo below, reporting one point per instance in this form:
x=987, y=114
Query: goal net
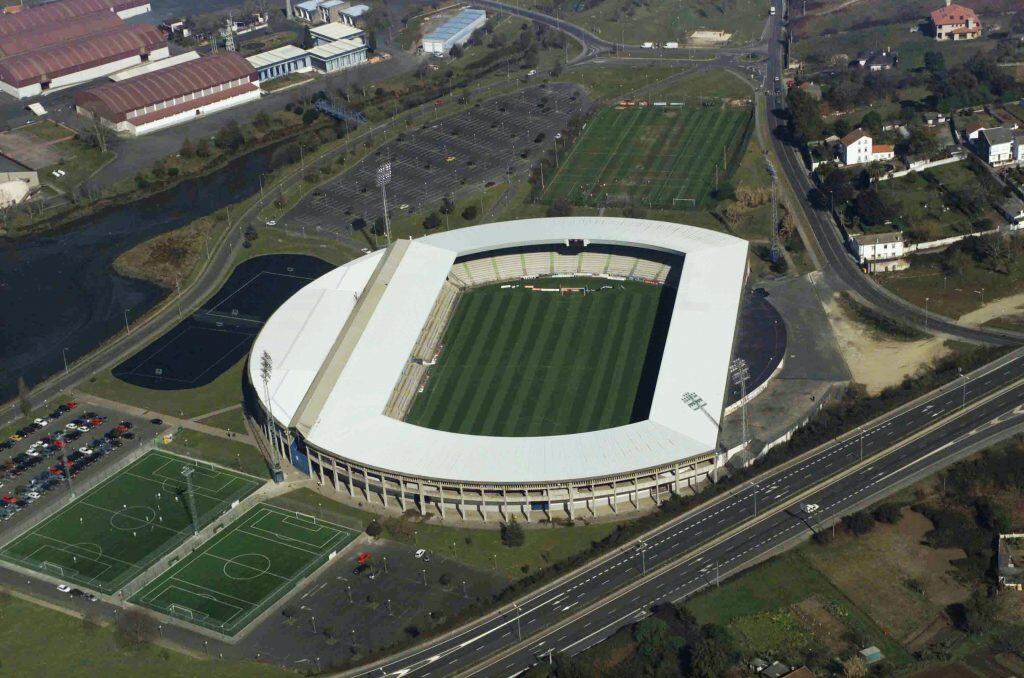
x=57, y=569
x=305, y=516
x=182, y=612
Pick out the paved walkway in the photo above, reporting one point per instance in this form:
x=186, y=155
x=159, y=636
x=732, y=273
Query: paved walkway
x=169, y=420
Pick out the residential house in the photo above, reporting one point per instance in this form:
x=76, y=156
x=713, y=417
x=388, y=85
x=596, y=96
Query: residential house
x=1013, y=209
x=874, y=60
x=872, y=247
x=955, y=22
x=995, y=146
x=933, y=118
x=1010, y=572
x=1018, y=147
x=858, y=148
x=972, y=130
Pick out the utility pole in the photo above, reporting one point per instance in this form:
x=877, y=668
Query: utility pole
x=187, y=471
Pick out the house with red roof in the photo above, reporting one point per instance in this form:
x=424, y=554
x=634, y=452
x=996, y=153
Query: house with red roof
x=858, y=148
x=955, y=22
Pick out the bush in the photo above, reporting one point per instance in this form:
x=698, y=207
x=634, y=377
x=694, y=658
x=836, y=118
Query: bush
x=560, y=208
x=374, y=529
x=432, y=221
x=888, y=513
x=469, y=214
x=512, y=534
x=445, y=579
x=858, y=523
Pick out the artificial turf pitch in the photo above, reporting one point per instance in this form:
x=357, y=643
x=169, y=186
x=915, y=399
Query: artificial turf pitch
x=662, y=156
x=112, y=533
x=229, y=580
x=522, y=363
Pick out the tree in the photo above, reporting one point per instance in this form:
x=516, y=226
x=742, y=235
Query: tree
x=187, y=149
x=872, y=121
x=307, y=39
x=710, y=659
x=432, y=221
x=512, y=534
x=24, y=405
x=859, y=523
x=262, y=120
x=805, y=116
x=560, y=208
x=870, y=207
x=469, y=213
x=934, y=62
x=203, y=148
x=134, y=629
x=229, y=137
x=456, y=51
x=888, y=513
x=310, y=115
x=374, y=529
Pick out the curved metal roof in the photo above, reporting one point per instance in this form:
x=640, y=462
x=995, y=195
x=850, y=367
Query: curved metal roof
x=52, y=13
x=79, y=54
x=332, y=384
x=115, y=100
x=87, y=24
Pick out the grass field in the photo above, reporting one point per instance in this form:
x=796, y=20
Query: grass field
x=233, y=454
x=113, y=532
x=651, y=156
x=521, y=363
x=233, y=577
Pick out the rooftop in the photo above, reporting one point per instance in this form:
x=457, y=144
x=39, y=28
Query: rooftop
x=356, y=10
x=854, y=136
x=113, y=101
x=953, y=15
x=336, y=30
x=455, y=24
x=878, y=238
x=997, y=135
x=276, y=56
x=337, y=48
x=49, y=14
x=87, y=24
x=339, y=347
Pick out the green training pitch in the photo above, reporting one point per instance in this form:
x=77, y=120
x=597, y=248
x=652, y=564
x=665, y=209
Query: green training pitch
x=112, y=533
x=229, y=580
x=522, y=363
x=655, y=156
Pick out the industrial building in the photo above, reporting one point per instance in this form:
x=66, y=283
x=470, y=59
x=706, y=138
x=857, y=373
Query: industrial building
x=337, y=55
x=152, y=66
x=60, y=44
x=347, y=351
x=171, y=96
x=315, y=11
x=336, y=31
x=281, y=61
x=455, y=31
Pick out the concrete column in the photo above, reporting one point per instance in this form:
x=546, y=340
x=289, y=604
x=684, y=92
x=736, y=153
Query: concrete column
x=675, y=484
x=592, y=502
x=636, y=494
x=657, y=487
x=440, y=500
x=572, y=503
x=334, y=473
x=366, y=485
x=384, y=489
x=547, y=502
x=423, y=497
x=351, y=485
x=401, y=491
x=462, y=501
x=483, y=504
x=527, y=509
x=614, y=500
x=503, y=509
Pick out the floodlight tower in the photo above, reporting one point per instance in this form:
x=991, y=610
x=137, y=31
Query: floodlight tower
x=696, y=403
x=740, y=372
x=383, y=179
x=187, y=471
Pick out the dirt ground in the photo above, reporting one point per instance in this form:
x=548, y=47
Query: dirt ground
x=825, y=627
x=874, y=571
x=879, y=363
x=1007, y=306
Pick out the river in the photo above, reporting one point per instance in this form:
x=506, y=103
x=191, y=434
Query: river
x=59, y=294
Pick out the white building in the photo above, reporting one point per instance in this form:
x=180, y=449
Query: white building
x=995, y=145
x=857, y=148
x=455, y=31
x=281, y=61
x=335, y=31
x=872, y=247
x=337, y=55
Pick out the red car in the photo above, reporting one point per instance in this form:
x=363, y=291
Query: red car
x=8, y=499
x=71, y=405
x=121, y=428
x=96, y=422
x=363, y=557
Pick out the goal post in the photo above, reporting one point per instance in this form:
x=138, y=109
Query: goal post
x=182, y=612
x=57, y=569
x=692, y=202
x=305, y=516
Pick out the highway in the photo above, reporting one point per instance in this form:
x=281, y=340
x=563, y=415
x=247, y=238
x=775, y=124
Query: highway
x=723, y=535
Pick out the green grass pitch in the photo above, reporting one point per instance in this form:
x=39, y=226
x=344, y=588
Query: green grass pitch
x=243, y=570
x=661, y=156
x=523, y=363
x=112, y=533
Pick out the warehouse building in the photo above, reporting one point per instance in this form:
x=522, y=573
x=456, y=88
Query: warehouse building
x=171, y=96
x=333, y=32
x=455, y=31
x=72, y=62
x=337, y=55
x=44, y=36
x=153, y=66
x=48, y=14
x=281, y=61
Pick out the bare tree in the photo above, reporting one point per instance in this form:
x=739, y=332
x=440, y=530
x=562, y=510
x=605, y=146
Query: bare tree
x=134, y=629
x=23, y=402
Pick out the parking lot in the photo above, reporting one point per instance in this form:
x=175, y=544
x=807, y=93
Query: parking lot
x=442, y=158
x=43, y=460
x=352, y=608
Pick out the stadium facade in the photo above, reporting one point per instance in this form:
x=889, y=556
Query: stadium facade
x=335, y=369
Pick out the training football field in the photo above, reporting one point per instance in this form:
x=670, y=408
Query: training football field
x=521, y=363
x=112, y=533
x=654, y=156
x=229, y=580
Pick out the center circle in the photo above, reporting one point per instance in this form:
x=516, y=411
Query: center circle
x=247, y=566
x=132, y=518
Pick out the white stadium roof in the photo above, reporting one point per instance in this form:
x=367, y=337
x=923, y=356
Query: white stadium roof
x=340, y=344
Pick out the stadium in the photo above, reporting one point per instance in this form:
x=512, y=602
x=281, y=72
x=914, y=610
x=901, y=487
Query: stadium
x=564, y=366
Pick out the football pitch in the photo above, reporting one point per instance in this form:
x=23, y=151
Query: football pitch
x=112, y=533
x=656, y=156
x=521, y=363
x=229, y=580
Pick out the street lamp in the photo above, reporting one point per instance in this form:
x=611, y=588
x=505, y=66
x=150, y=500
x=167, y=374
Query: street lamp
x=642, y=547
x=64, y=352
x=127, y=329
x=926, y=300
x=963, y=403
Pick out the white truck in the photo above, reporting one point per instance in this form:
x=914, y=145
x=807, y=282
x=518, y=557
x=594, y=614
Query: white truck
x=772, y=11
x=671, y=45
x=647, y=45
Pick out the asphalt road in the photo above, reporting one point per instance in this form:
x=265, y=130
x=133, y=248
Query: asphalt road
x=829, y=238
x=720, y=537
